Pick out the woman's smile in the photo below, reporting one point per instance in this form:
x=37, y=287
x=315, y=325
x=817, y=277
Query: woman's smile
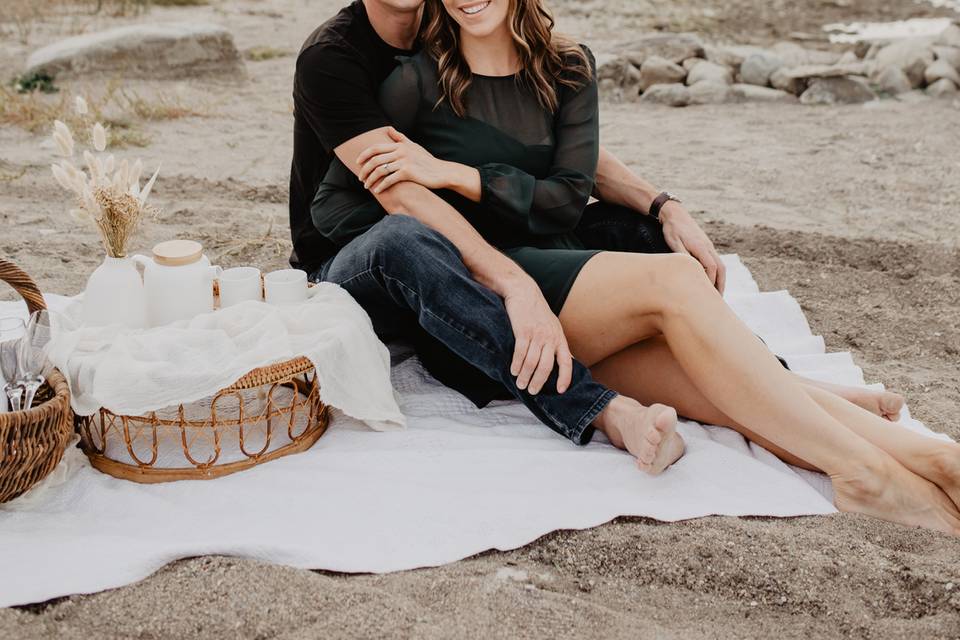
x=475, y=8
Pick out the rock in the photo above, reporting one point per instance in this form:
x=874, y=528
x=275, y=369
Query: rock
x=754, y=93
x=657, y=70
x=709, y=72
x=780, y=80
x=730, y=56
x=810, y=71
x=758, y=67
x=844, y=90
x=674, y=95
x=160, y=51
x=610, y=90
x=913, y=96
x=612, y=67
x=631, y=76
x=893, y=81
x=949, y=37
x=705, y=92
x=690, y=63
x=941, y=69
x=675, y=47
x=793, y=55
x=942, y=87
x=912, y=56
x=862, y=49
x=950, y=54
x=872, y=52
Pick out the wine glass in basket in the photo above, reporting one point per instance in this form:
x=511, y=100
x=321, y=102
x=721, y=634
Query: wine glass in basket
x=10, y=328
x=32, y=354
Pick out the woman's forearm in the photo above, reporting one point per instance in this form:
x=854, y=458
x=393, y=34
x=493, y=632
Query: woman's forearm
x=616, y=184
x=464, y=180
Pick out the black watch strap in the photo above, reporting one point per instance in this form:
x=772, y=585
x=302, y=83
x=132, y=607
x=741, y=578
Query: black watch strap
x=658, y=202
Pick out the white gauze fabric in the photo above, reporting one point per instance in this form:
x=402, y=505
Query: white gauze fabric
x=134, y=372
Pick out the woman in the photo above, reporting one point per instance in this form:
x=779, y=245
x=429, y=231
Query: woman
x=506, y=113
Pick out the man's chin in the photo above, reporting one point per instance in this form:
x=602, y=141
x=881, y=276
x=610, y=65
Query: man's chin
x=398, y=5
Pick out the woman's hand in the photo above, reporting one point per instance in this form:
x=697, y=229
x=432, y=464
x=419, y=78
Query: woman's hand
x=384, y=165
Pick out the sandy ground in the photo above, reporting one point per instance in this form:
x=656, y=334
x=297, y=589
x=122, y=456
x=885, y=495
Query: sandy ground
x=854, y=210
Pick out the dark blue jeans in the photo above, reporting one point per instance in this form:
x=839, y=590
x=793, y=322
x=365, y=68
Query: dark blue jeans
x=411, y=280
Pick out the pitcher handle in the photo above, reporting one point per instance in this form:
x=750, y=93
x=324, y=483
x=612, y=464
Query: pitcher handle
x=140, y=263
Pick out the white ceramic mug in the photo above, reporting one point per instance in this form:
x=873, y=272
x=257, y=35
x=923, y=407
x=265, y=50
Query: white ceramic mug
x=238, y=285
x=286, y=286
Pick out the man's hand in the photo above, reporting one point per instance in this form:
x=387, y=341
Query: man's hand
x=684, y=235
x=540, y=341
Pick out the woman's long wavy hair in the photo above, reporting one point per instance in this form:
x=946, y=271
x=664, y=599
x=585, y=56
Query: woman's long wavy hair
x=547, y=59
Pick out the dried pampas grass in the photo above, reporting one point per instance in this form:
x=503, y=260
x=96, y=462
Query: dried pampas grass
x=108, y=192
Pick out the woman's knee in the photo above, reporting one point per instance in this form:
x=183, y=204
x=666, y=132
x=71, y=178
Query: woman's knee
x=674, y=283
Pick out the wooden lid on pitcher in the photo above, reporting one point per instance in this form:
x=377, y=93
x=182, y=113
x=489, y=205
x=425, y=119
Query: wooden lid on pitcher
x=176, y=253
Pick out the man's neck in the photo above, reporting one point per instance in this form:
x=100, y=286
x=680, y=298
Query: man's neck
x=397, y=28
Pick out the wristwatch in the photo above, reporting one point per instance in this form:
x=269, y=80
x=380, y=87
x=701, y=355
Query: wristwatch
x=658, y=203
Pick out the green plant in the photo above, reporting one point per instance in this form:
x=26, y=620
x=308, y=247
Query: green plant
x=28, y=83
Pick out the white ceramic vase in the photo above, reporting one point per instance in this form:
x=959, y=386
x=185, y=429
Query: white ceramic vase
x=115, y=295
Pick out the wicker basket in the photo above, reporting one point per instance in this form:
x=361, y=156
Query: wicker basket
x=32, y=442
x=271, y=412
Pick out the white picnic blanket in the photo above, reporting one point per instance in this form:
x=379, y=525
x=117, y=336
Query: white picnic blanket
x=456, y=482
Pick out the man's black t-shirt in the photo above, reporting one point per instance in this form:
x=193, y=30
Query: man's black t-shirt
x=338, y=76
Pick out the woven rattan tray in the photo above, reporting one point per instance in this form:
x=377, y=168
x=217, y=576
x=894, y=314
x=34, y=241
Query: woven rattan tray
x=271, y=412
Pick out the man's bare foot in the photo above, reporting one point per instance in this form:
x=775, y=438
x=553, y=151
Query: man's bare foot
x=885, y=404
x=649, y=433
x=888, y=491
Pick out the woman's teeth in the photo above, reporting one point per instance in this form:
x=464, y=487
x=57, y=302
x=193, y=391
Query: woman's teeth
x=475, y=9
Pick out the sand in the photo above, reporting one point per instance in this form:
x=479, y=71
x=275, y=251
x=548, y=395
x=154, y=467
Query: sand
x=853, y=209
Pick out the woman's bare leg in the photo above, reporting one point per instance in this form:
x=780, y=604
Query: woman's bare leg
x=935, y=460
x=648, y=372
x=644, y=295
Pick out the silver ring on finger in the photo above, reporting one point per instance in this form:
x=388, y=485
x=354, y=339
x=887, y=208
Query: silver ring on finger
x=388, y=168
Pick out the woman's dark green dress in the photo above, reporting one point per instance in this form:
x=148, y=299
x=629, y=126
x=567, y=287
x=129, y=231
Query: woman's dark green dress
x=536, y=168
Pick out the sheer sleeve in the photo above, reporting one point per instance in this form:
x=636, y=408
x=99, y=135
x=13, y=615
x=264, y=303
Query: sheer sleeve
x=553, y=204
x=400, y=95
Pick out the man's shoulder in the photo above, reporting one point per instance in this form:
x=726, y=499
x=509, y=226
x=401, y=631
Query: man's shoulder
x=339, y=33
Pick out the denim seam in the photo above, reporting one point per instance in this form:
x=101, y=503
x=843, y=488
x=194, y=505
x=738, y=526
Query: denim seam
x=602, y=401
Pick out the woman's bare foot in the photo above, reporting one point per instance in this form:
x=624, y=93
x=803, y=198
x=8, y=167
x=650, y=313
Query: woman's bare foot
x=649, y=433
x=885, y=404
x=941, y=466
x=888, y=491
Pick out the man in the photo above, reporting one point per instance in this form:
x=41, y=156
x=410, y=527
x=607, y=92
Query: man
x=422, y=266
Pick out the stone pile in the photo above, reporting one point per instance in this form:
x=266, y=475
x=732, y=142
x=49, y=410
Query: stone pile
x=679, y=70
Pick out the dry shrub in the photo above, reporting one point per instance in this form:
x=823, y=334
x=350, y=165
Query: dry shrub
x=258, y=54
x=117, y=107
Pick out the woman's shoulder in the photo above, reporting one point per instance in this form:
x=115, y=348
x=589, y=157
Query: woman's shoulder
x=574, y=56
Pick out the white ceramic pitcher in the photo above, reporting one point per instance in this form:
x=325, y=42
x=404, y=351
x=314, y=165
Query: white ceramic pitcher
x=178, y=281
